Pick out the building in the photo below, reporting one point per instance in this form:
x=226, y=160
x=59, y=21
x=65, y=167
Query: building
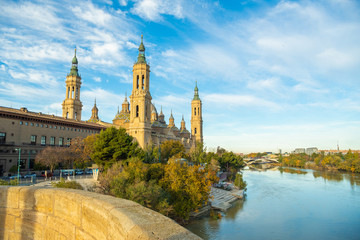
x=311, y=151
x=31, y=131
x=140, y=117
x=299, y=150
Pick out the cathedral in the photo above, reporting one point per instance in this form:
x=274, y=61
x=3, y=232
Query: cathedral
x=138, y=116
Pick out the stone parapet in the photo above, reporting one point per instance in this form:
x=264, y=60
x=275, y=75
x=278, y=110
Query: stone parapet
x=47, y=213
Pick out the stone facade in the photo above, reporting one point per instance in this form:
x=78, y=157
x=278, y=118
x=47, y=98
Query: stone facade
x=141, y=119
x=46, y=213
x=31, y=132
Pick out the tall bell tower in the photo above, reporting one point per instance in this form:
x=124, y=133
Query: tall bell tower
x=140, y=100
x=196, y=117
x=72, y=105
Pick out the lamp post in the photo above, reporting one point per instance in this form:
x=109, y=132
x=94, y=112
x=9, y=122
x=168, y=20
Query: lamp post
x=18, y=176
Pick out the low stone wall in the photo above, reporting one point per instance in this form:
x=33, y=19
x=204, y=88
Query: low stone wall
x=54, y=213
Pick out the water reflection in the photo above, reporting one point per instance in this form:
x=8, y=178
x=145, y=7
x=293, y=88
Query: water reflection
x=292, y=170
x=290, y=204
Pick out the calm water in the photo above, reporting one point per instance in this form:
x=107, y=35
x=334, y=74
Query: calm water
x=292, y=204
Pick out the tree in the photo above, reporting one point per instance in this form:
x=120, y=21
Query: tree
x=198, y=154
x=188, y=186
x=239, y=182
x=170, y=149
x=230, y=160
x=51, y=157
x=113, y=145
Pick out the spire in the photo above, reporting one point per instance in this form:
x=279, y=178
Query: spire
x=182, y=127
x=118, y=110
x=125, y=105
x=141, y=57
x=171, y=120
x=196, y=92
x=74, y=66
x=161, y=111
x=171, y=116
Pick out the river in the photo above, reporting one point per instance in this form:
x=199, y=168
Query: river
x=290, y=204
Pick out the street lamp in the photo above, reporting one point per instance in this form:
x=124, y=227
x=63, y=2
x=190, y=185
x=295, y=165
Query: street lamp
x=18, y=176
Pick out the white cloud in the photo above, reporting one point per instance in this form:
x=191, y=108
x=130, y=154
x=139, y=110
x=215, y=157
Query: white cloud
x=92, y=14
x=153, y=9
x=97, y=79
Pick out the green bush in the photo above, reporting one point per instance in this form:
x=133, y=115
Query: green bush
x=70, y=184
x=239, y=181
x=11, y=183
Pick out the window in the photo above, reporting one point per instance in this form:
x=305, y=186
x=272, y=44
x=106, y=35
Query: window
x=46, y=125
x=55, y=127
x=61, y=141
x=2, y=138
x=52, y=141
x=194, y=111
x=75, y=115
x=194, y=130
x=198, y=111
x=41, y=125
x=68, y=141
x=50, y=126
x=32, y=124
x=21, y=123
x=33, y=140
x=43, y=140
x=137, y=110
x=67, y=115
x=37, y=124
x=137, y=82
x=143, y=82
x=26, y=123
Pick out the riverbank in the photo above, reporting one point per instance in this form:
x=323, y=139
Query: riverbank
x=299, y=204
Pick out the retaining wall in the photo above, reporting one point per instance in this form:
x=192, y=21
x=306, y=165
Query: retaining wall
x=55, y=213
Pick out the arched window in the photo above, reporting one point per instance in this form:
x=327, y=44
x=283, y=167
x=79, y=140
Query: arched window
x=137, y=110
x=198, y=111
x=77, y=93
x=75, y=115
x=73, y=93
x=143, y=82
x=137, y=82
x=194, y=130
x=194, y=111
x=68, y=93
x=67, y=115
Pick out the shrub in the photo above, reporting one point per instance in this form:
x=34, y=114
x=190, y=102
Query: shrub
x=239, y=181
x=69, y=184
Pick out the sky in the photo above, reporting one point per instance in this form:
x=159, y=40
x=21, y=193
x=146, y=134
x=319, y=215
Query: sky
x=271, y=74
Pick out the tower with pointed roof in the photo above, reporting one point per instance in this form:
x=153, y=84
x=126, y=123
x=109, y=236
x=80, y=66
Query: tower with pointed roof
x=196, y=117
x=140, y=100
x=94, y=114
x=171, y=120
x=72, y=105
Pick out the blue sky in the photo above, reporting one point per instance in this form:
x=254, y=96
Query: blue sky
x=271, y=74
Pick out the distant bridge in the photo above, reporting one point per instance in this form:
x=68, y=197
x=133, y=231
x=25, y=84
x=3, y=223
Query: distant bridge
x=255, y=161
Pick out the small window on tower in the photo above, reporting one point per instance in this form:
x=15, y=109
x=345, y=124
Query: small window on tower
x=143, y=82
x=75, y=115
x=137, y=82
x=194, y=111
x=137, y=110
x=198, y=111
x=194, y=130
